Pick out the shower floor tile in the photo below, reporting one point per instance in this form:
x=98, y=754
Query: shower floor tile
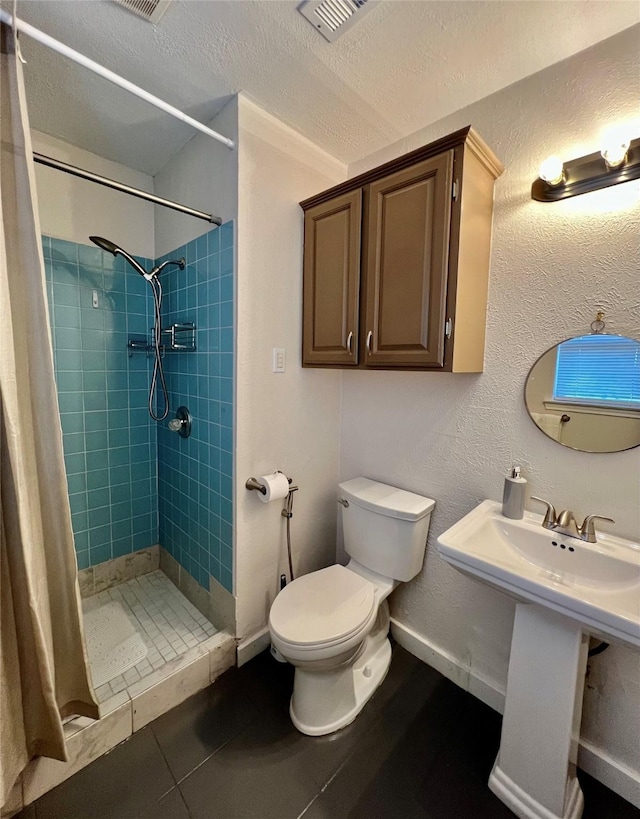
x=166, y=621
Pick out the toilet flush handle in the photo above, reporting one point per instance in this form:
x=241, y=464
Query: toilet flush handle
x=344, y=502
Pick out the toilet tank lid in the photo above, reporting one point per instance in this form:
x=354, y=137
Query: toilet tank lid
x=386, y=500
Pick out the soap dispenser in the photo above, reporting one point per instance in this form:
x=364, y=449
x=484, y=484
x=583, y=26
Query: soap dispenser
x=514, y=496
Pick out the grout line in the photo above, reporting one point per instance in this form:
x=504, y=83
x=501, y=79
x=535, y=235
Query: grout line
x=166, y=761
x=220, y=747
x=344, y=762
x=315, y=798
x=200, y=764
x=184, y=802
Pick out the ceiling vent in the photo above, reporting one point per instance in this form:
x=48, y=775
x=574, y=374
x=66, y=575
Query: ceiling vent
x=151, y=10
x=333, y=17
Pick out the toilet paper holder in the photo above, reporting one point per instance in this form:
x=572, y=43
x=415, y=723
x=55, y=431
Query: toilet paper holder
x=254, y=483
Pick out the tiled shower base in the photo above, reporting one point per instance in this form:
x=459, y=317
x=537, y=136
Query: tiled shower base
x=185, y=653
x=167, y=622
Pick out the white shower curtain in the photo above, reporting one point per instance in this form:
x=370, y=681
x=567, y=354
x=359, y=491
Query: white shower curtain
x=43, y=669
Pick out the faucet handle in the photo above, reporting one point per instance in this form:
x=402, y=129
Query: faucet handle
x=550, y=515
x=588, y=529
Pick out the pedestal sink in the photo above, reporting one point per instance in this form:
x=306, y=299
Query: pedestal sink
x=566, y=590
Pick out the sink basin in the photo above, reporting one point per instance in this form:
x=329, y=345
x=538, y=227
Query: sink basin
x=595, y=584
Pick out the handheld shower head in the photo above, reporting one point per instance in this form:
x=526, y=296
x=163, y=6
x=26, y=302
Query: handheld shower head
x=153, y=277
x=104, y=244
x=111, y=247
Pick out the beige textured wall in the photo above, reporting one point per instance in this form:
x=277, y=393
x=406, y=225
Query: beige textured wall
x=288, y=421
x=74, y=209
x=452, y=437
x=203, y=175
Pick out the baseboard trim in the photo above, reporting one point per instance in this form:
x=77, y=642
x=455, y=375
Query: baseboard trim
x=449, y=666
x=249, y=647
x=595, y=761
x=621, y=779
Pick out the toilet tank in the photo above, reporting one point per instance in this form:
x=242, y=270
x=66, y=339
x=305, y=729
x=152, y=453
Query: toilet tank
x=385, y=528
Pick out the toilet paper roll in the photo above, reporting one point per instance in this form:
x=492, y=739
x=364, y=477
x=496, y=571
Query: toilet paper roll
x=277, y=487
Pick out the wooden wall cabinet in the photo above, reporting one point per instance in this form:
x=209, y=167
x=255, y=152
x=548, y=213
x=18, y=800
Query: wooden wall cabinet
x=396, y=262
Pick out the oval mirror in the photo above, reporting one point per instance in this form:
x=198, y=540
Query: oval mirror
x=584, y=393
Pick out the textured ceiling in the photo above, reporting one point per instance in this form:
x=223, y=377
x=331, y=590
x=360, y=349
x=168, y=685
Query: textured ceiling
x=404, y=66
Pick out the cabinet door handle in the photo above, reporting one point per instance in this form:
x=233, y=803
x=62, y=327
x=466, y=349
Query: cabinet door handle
x=369, y=337
x=349, y=340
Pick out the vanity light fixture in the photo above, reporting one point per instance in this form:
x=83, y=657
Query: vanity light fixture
x=618, y=161
x=552, y=171
x=615, y=153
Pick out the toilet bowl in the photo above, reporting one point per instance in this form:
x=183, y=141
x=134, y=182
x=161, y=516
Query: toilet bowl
x=332, y=624
x=323, y=616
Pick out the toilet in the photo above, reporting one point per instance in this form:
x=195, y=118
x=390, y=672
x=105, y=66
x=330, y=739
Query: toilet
x=333, y=624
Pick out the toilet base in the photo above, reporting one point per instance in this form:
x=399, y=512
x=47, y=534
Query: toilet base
x=324, y=702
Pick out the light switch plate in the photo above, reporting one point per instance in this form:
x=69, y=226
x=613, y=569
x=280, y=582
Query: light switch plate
x=279, y=360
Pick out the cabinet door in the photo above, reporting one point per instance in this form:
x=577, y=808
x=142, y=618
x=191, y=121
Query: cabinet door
x=408, y=226
x=332, y=236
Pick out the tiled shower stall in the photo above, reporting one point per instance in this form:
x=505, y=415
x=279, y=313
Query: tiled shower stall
x=132, y=482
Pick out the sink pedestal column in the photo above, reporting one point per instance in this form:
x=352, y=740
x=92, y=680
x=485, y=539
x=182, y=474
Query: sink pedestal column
x=535, y=772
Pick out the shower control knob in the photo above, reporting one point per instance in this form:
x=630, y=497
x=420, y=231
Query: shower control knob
x=181, y=423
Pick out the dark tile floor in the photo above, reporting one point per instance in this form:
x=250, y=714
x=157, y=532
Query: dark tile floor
x=421, y=749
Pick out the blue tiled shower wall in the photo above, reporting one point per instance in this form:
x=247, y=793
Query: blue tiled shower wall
x=133, y=483
x=110, y=443
x=195, y=473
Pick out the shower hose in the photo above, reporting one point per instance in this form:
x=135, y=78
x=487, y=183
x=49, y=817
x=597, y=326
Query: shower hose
x=158, y=369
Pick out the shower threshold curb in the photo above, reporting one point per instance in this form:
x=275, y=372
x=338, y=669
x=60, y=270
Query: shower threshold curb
x=130, y=710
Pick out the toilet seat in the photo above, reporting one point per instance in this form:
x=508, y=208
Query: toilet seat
x=323, y=609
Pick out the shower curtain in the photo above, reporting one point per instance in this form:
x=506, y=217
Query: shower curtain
x=43, y=668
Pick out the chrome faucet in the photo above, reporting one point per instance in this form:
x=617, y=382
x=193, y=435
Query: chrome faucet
x=565, y=523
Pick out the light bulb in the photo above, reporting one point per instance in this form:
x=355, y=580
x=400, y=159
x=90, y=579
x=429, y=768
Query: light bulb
x=552, y=170
x=614, y=153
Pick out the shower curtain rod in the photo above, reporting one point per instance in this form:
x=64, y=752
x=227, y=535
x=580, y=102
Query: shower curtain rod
x=120, y=186
x=61, y=48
